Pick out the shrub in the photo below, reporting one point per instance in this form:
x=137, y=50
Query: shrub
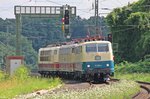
x=138, y=67
x=21, y=73
x=135, y=71
x=2, y=75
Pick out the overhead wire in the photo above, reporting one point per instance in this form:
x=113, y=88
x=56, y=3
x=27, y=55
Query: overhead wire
x=119, y=2
x=123, y=30
x=89, y=10
x=53, y=2
x=81, y=10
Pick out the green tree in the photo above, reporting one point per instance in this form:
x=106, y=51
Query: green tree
x=130, y=27
x=7, y=48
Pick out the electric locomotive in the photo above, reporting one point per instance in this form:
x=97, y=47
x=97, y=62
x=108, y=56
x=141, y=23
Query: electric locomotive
x=91, y=60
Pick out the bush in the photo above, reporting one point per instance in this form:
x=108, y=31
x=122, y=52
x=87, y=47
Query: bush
x=134, y=71
x=2, y=75
x=21, y=73
x=138, y=67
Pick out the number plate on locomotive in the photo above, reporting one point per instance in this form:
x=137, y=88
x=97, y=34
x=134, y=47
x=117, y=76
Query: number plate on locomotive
x=97, y=57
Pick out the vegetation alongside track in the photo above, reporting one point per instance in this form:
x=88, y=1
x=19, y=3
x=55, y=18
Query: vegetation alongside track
x=120, y=90
x=139, y=71
x=131, y=31
x=21, y=83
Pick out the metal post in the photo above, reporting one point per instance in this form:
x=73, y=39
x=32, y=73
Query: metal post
x=67, y=33
x=96, y=17
x=18, y=34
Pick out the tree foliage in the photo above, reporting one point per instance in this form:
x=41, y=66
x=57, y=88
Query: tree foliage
x=130, y=27
x=40, y=32
x=21, y=73
x=7, y=48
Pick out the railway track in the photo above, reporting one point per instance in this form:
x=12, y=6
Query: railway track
x=74, y=85
x=79, y=85
x=69, y=85
x=144, y=92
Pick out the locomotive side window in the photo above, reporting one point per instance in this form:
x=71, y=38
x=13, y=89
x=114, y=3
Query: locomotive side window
x=78, y=49
x=45, y=55
x=60, y=51
x=42, y=53
x=64, y=51
x=55, y=51
x=73, y=50
x=49, y=55
x=69, y=50
x=103, y=48
x=91, y=48
x=46, y=58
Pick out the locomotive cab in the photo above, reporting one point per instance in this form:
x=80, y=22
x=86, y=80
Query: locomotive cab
x=98, y=60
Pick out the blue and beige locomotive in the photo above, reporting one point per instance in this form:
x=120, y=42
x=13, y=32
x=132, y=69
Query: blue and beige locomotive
x=91, y=60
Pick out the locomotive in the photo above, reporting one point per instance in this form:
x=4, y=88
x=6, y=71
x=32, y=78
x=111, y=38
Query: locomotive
x=89, y=61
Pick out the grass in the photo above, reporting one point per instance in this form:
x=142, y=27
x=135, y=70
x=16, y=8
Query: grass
x=145, y=77
x=19, y=85
x=121, y=90
x=139, y=71
x=12, y=88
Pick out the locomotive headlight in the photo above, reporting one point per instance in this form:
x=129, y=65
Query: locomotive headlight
x=107, y=65
x=88, y=66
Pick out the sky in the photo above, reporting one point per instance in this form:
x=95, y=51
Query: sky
x=84, y=7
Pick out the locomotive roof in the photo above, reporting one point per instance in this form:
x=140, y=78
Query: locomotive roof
x=48, y=48
x=72, y=45
x=89, y=42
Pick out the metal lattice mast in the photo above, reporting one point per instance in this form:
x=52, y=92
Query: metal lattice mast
x=18, y=35
x=96, y=17
x=37, y=12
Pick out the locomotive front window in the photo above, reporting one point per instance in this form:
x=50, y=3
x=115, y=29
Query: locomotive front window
x=103, y=48
x=91, y=48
